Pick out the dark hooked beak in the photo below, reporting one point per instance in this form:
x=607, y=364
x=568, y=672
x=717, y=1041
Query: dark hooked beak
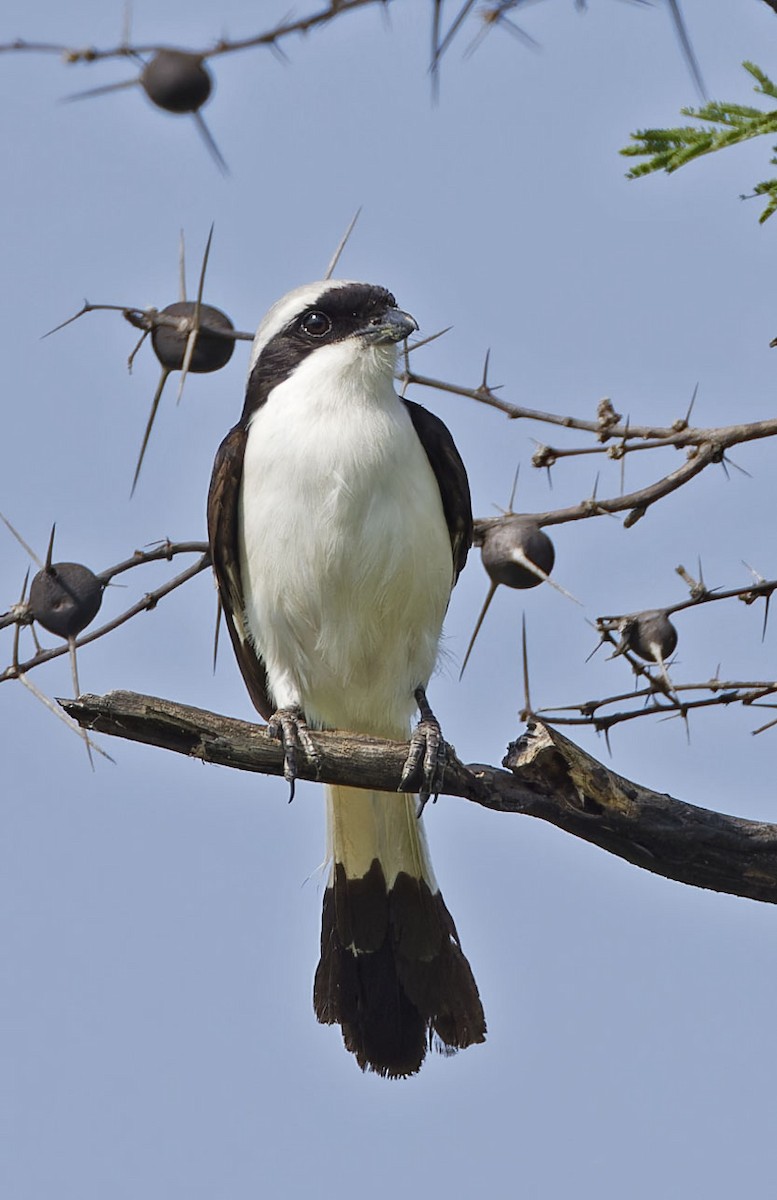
x=393, y=326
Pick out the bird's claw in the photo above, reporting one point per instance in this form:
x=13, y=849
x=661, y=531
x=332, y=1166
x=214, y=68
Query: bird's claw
x=288, y=725
x=427, y=755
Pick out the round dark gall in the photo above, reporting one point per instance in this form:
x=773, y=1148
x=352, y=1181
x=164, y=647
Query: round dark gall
x=511, y=547
x=211, y=352
x=651, y=636
x=176, y=81
x=65, y=598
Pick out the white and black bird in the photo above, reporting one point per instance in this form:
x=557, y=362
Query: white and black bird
x=339, y=519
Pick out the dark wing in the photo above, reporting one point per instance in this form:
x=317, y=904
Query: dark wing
x=451, y=477
x=222, y=534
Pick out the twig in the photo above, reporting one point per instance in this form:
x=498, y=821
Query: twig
x=88, y=54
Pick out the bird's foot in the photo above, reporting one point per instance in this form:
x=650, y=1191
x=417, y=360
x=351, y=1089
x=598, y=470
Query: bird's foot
x=289, y=726
x=427, y=755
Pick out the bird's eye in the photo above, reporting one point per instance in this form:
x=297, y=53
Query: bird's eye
x=316, y=324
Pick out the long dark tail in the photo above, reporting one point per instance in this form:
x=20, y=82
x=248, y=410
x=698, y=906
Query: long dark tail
x=392, y=973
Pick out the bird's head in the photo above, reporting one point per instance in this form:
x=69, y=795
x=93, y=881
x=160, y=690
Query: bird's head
x=334, y=331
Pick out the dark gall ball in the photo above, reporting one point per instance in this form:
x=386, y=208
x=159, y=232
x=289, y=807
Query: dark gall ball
x=511, y=547
x=176, y=81
x=211, y=353
x=65, y=598
x=651, y=636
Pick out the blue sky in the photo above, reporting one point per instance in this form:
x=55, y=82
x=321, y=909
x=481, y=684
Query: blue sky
x=160, y=918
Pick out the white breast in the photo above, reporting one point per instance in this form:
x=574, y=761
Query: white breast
x=345, y=552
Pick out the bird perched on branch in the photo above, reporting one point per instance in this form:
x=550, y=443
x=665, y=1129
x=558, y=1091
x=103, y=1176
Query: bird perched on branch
x=339, y=519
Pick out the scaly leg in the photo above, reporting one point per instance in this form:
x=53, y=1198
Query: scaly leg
x=428, y=752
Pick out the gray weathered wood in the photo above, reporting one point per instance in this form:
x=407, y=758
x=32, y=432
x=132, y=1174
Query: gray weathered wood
x=549, y=777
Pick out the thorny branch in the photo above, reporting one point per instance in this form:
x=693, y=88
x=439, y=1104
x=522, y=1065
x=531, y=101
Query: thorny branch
x=149, y=319
x=489, y=16
x=21, y=614
x=662, y=696
x=723, y=693
x=708, y=445
x=703, y=446
x=271, y=38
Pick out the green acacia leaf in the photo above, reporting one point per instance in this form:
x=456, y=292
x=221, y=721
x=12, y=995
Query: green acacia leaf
x=729, y=124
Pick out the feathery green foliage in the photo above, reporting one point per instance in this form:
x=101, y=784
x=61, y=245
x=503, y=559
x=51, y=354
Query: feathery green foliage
x=731, y=124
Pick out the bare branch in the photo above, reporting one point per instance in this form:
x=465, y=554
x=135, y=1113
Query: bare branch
x=635, y=504
x=149, y=319
x=608, y=425
x=549, y=778
x=666, y=704
x=301, y=25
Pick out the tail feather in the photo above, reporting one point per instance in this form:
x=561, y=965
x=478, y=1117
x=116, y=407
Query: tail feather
x=361, y=912
x=392, y=973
